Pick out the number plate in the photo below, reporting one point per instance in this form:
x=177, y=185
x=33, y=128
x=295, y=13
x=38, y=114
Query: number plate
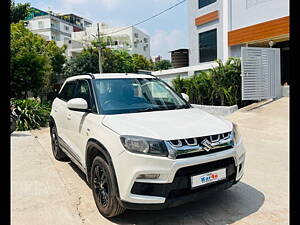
x=209, y=177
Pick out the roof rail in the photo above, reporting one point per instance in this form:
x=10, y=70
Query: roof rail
x=146, y=72
x=90, y=74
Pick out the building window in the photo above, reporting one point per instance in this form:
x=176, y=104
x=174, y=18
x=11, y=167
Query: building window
x=208, y=46
x=41, y=24
x=66, y=28
x=203, y=3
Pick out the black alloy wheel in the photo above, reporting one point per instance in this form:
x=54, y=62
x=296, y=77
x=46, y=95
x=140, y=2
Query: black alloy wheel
x=101, y=186
x=56, y=150
x=104, y=188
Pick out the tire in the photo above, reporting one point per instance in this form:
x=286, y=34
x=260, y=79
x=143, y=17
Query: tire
x=13, y=124
x=56, y=150
x=104, y=188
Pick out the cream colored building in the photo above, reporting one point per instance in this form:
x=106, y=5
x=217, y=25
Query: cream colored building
x=131, y=39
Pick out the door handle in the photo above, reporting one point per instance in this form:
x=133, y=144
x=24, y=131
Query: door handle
x=69, y=117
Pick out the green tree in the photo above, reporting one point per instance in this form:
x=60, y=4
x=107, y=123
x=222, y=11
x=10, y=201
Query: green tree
x=162, y=65
x=57, y=61
x=57, y=57
x=34, y=62
x=113, y=61
x=85, y=62
x=140, y=62
x=18, y=11
x=29, y=62
x=123, y=62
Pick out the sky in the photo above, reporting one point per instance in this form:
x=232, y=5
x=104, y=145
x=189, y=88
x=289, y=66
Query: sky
x=167, y=31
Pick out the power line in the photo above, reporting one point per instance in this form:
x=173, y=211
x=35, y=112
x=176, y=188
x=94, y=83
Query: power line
x=143, y=21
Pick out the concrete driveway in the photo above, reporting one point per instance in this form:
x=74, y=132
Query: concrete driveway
x=45, y=191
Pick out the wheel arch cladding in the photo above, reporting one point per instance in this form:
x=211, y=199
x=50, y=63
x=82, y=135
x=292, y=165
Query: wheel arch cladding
x=95, y=148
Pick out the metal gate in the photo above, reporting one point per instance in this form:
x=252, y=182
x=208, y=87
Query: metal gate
x=260, y=73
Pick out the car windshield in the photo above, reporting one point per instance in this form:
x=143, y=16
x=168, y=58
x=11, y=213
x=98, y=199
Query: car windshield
x=133, y=95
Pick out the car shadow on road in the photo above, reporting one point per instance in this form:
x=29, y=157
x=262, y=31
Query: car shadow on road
x=79, y=172
x=222, y=208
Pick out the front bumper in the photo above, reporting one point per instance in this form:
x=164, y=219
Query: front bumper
x=179, y=200
x=173, y=187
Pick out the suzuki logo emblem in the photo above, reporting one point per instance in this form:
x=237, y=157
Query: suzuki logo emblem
x=206, y=145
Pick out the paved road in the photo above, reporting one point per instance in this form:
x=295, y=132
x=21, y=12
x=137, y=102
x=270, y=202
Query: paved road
x=45, y=191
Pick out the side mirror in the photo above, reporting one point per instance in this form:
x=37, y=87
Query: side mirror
x=185, y=96
x=77, y=104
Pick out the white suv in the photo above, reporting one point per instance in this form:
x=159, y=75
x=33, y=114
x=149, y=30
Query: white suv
x=142, y=145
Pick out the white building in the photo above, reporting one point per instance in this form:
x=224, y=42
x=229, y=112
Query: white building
x=50, y=27
x=57, y=27
x=77, y=32
x=131, y=39
x=220, y=28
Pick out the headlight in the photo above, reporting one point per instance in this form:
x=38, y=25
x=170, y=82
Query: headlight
x=236, y=134
x=144, y=145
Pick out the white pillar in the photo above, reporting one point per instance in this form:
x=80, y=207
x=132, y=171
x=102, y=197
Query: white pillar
x=225, y=28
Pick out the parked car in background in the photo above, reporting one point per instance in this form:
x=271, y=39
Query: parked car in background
x=142, y=145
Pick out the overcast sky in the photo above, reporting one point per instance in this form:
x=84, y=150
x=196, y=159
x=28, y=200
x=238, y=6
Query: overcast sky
x=167, y=31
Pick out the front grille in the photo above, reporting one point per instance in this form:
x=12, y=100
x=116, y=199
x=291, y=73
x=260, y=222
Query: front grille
x=181, y=184
x=203, y=152
x=190, y=147
x=198, y=140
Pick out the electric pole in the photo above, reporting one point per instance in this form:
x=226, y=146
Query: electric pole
x=99, y=49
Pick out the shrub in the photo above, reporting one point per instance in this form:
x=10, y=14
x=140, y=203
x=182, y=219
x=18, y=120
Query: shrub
x=32, y=114
x=220, y=85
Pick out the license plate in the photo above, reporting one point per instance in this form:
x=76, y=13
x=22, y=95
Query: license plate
x=209, y=177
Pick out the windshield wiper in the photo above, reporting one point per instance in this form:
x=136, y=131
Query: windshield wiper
x=179, y=107
x=183, y=107
x=147, y=109
x=152, y=109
